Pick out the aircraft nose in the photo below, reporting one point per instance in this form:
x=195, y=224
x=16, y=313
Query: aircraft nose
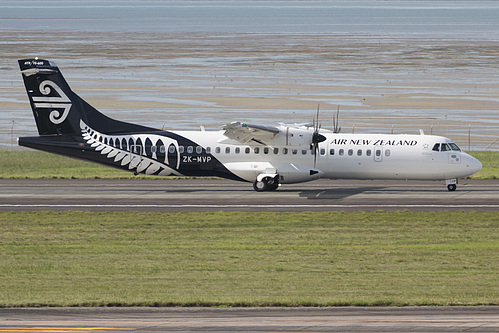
x=473, y=164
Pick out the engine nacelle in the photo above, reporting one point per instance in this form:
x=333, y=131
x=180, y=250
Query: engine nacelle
x=285, y=136
x=298, y=137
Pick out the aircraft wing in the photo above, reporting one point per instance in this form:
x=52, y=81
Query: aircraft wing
x=245, y=133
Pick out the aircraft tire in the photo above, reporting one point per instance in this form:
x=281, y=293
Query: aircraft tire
x=261, y=186
x=273, y=187
x=451, y=187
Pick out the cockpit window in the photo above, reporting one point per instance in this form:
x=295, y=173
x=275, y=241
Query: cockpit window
x=453, y=146
x=445, y=147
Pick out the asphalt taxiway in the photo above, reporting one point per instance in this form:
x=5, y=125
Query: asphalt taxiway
x=224, y=195
x=348, y=319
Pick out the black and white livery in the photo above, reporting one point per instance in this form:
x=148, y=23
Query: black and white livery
x=264, y=155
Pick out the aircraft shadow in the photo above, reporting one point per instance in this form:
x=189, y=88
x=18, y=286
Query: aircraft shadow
x=336, y=193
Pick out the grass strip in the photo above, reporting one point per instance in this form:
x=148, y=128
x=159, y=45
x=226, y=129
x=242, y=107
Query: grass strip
x=490, y=162
x=37, y=164
x=249, y=259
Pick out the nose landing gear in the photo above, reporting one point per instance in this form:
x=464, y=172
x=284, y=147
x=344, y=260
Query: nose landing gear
x=451, y=184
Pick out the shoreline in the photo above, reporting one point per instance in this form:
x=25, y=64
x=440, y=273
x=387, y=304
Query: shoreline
x=184, y=80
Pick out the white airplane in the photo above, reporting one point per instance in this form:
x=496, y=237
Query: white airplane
x=266, y=156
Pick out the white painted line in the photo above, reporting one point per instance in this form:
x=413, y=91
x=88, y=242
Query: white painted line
x=240, y=206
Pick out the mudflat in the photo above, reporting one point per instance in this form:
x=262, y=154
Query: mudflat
x=380, y=84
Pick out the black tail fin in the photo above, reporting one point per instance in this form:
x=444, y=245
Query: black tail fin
x=51, y=99
x=57, y=109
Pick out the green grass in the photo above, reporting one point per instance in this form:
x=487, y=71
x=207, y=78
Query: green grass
x=249, y=259
x=490, y=162
x=36, y=164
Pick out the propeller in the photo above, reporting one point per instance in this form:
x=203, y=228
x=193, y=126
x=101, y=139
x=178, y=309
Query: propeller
x=316, y=137
x=336, y=127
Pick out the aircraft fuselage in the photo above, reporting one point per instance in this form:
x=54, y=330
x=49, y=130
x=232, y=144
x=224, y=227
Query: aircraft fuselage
x=265, y=155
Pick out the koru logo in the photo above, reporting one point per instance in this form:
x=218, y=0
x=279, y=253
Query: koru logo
x=49, y=102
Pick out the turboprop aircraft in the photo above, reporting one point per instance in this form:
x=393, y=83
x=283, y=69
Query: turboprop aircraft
x=264, y=155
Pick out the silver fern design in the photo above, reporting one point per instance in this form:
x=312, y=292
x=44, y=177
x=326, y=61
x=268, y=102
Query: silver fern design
x=149, y=154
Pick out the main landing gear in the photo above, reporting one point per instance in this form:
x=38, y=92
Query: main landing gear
x=266, y=184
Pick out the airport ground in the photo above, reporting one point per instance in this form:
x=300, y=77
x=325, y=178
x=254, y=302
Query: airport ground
x=346, y=319
x=382, y=84
x=178, y=195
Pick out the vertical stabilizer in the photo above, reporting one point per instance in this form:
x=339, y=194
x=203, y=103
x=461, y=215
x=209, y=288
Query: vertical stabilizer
x=57, y=109
x=51, y=99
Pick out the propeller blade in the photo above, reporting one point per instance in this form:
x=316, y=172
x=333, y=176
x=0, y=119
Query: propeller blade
x=315, y=159
x=336, y=119
x=316, y=137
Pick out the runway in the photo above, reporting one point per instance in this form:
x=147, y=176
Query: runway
x=410, y=319
x=224, y=195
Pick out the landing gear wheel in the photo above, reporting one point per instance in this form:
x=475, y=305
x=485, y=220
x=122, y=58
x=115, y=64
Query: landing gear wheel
x=261, y=186
x=451, y=187
x=266, y=184
x=273, y=187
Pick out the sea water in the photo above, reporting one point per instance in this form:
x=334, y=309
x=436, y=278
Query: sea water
x=442, y=18
x=436, y=18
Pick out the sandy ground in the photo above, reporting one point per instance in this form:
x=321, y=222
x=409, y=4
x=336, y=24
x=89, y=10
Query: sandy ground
x=448, y=87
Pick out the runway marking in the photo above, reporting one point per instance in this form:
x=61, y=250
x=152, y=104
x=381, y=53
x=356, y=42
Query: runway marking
x=61, y=329
x=241, y=206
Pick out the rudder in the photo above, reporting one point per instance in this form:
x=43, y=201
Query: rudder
x=53, y=103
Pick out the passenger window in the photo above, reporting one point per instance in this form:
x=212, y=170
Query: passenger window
x=295, y=151
x=190, y=150
x=436, y=147
x=199, y=149
x=217, y=150
x=304, y=152
x=331, y=151
x=285, y=151
x=162, y=149
x=387, y=152
x=350, y=152
x=247, y=150
x=238, y=150
x=208, y=150
x=359, y=152
x=180, y=149
x=341, y=152
x=257, y=150
x=378, y=152
x=227, y=150
x=323, y=151
x=265, y=150
x=368, y=152
x=276, y=151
